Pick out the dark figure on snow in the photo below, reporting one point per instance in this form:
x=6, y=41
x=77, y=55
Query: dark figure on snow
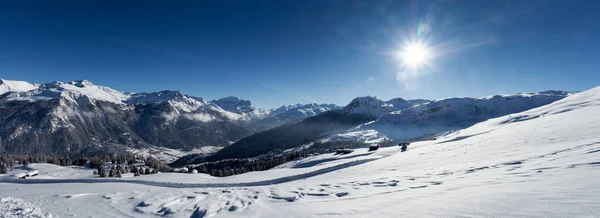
x=404, y=147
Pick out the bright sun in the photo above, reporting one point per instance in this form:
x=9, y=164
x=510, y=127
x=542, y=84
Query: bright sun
x=415, y=55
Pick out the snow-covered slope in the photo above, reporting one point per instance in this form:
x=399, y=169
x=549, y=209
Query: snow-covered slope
x=538, y=163
x=444, y=115
x=15, y=86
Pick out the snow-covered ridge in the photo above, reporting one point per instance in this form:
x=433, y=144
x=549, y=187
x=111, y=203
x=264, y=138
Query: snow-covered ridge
x=15, y=86
x=373, y=106
x=177, y=99
x=76, y=91
x=439, y=115
x=305, y=110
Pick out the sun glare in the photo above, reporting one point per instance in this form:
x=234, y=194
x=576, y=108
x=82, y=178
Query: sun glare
x=415, y=55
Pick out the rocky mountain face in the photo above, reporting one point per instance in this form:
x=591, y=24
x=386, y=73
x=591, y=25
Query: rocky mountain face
x=80, y=117
x=238, y=106
x=59, y=125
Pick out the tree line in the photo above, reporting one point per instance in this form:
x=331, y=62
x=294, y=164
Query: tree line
x=7, y=161
x=230, y=167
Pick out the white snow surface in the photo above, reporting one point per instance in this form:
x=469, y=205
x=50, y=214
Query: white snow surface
x=16, y=208
x=542, y=162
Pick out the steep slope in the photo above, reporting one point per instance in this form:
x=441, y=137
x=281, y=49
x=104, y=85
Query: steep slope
x=173, y=120
x=290, y=135
x=60, y=125
x=448, y=114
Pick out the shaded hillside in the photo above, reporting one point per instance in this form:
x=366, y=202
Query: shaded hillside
x=290, y=135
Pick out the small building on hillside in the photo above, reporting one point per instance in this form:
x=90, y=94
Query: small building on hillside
x=343, y=151
x=21, y=176
x=27, y=174
x=32, y=173
x=373, y=147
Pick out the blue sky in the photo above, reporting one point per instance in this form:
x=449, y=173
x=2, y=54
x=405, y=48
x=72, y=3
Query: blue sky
x=286, y=52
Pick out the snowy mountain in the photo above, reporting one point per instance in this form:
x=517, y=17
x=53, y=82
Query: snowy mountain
x=373, y=121
x=447, y=114
x=541, y=162
x=15, y=86
x=238, y=106
x=79, y=91
x=372, y=106
x=80, y=117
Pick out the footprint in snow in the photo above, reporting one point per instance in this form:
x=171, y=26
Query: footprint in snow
x=436, y=182
x=341, y=194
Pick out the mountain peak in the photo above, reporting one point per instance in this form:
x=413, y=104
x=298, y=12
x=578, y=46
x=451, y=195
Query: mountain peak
x=364, y=102
x=81, y=83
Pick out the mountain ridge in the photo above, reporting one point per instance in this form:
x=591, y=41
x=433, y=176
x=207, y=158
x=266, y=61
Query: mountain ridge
x=79, y=116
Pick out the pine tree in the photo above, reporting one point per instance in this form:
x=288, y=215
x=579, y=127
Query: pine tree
x=119, y=169
x=3, y=168
x=111, y=172
x=101, y=171
x=132, y=169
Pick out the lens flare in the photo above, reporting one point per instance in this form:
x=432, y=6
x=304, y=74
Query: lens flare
x=415, y=55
